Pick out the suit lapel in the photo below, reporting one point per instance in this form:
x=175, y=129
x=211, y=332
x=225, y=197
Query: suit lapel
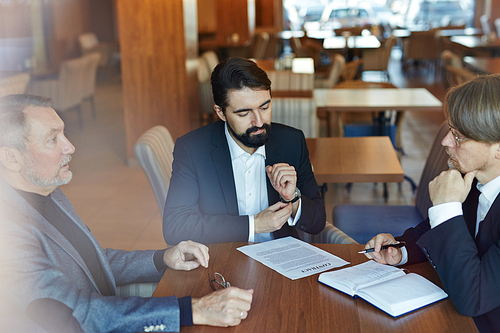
x=221, y=159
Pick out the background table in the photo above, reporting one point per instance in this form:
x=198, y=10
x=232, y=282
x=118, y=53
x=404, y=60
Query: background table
x=373, y=100
x=305, y=305
x=485, y=65
x=354, y=160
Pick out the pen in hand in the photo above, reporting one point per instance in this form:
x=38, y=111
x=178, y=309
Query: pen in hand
x=385, y=247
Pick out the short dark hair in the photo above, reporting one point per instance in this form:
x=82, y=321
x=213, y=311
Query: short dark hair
x=14, y=128
x=236, y=74
x=473, y=108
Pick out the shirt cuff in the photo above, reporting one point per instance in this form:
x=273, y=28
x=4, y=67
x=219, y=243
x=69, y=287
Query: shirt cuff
x=185, y=311
x=251, y=228
x=158, y=261
x=293, y=221
x=404, y=258
x=443, y=212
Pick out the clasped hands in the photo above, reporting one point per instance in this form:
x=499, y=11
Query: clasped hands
x=283, y=178
x=226, y=307
x=449, y=186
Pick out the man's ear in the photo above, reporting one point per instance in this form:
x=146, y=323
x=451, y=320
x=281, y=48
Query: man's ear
x=10, y=158
x=219, y=112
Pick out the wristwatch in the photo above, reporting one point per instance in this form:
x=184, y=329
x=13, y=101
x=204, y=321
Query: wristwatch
x=296, y=196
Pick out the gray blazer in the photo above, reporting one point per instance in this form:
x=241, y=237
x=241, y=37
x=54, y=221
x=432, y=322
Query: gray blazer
x=37, y=263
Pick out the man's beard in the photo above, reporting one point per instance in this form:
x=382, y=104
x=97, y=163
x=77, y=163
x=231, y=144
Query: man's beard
x=43, y=182
x=252, y=141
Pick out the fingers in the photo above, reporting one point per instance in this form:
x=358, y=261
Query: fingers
x=186, y=255
x=226, y=307
x=283, y=177
x=273, y=217
x=382, y=256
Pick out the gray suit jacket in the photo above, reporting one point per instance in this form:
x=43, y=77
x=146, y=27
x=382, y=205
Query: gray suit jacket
x=37, y=263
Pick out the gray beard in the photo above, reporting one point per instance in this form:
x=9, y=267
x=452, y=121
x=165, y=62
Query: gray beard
x=42, y=182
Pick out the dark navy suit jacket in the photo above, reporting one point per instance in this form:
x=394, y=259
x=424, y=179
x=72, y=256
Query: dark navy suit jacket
x=201, y=202
x=469, y=267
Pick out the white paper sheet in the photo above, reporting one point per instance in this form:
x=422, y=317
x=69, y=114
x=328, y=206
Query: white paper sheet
x=292, y=258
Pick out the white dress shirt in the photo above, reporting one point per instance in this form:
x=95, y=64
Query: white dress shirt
x=249, y=172
x=443, y=212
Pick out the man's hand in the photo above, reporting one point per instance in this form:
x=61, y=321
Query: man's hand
x=186, y=256
x=272, y=218
x=283, y=178
x=391, y=256
x=225, y=307
x=449, y=186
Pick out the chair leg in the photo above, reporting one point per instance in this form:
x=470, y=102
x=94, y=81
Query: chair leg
x=80, y=115
x=92, y=107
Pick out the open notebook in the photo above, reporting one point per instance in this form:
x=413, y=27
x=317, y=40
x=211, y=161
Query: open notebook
x=386, y=287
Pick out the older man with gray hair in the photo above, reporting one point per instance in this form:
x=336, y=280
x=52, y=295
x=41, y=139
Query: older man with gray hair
x=54, y=275
x=461, y=237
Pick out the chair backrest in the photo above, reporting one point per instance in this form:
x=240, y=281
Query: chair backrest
x=360, y=84
x=437, y=161
x=211, y=59
x=497, y=26
x=458, y=75
x=485, y=24
x=449, y=58
x=351, y=69
x=287, y=80
x=88, y=41
x=203, y=70
x=90, y=76
x=336, y=68
x=421, y=45
x=15, y=84
x=154, y=151
x=296, y=112
x=260, y=47
x=71, y=85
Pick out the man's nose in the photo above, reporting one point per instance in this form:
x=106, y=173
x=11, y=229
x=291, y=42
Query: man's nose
x=68, y=147
x=448, y=140
x=257, y=119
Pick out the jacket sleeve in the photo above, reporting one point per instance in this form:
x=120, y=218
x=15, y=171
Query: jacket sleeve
x=471, y=281
x=183, y=218
x=313, y=216
x=35, y=268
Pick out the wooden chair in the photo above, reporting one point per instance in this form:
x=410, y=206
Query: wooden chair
x=67, y=91
x=89, y=43
x=298, y=112
x=261, y=41
x=15, y=84
x=458, y=75
x=207, y=112
x=90, y=80
x=336, y=69
x=377, y=60
x=421, y=47
x=351, y=70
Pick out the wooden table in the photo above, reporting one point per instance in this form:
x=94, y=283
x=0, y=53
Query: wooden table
x=305, y=305
x=354, y=160
x=299, y=65
x=374, y=100
x=353, y=42
x=486, y=65
x=460, y=32
x=477, y=43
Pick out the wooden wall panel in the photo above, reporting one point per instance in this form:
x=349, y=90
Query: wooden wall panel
x=158, y=89
x=232, y=17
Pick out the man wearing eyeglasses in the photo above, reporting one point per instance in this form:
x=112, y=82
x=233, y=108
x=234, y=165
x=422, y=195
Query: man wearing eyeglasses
x=461, y=237
x=54, y=275
x=242, y=178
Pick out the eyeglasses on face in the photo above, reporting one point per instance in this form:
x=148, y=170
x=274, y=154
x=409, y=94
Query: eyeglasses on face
x=218, y=281
x=456, y=137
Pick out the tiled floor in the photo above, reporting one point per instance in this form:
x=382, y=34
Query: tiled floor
x=117, y=203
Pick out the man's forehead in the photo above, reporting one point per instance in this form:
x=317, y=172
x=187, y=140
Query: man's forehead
x=43, y=120
x=249, y=97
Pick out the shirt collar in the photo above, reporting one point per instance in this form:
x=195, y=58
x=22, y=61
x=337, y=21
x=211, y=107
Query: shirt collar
x=491, y=189
x=236, y=151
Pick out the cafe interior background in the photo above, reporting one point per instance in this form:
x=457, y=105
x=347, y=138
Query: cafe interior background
x=150, y=76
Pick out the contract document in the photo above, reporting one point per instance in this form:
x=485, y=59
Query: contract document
x=292, y=258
